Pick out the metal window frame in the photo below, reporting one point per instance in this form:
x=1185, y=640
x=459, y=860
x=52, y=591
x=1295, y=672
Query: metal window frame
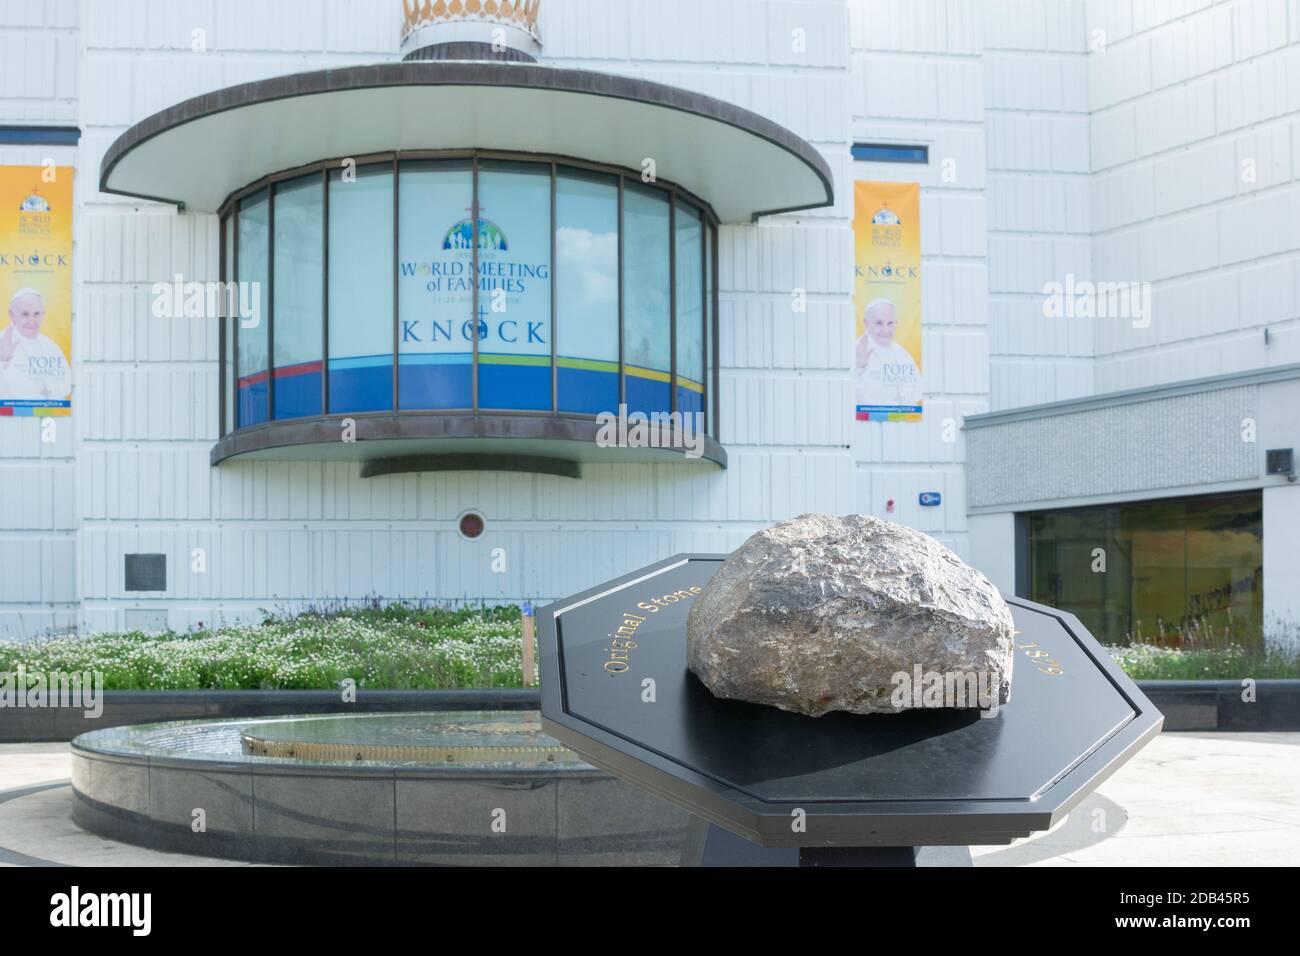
x=234, y=331
x=622, y=318
x=222, y=227
x=672, y=303
x=703, y=321
x=555, y=317
x=714, y=394
x=272, y=190
x=397, y=270
x=473, y=312
x=325, y=293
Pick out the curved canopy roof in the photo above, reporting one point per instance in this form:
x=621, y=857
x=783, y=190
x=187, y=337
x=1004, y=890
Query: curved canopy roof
x=198, y=152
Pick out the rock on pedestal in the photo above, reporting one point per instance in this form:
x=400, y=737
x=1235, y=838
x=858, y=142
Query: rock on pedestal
x=821, y=612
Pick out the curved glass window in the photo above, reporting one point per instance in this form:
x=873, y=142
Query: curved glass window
x=361, y=290
x=468, y=283
x=254, y=273
x=435, y=288
x=299, y=297
x=586, y=292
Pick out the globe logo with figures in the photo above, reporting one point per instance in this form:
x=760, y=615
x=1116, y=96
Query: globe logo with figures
x=491, y=238
x=34, y=203
x=886, y=217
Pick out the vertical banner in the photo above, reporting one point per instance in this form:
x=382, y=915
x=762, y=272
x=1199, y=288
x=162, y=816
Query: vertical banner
x=887, y=302
x=35, y=290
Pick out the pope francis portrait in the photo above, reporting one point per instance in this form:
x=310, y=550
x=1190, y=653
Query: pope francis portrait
x=885, y=373
x=32, y=366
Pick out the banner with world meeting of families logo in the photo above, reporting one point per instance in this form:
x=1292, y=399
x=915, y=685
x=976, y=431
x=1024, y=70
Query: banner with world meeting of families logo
x=437, y=258
x=887, y=382
x=36, y=290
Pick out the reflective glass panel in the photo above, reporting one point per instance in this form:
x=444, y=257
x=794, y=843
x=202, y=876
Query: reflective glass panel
x=435, y=285
x=361, y=290
x=586, y=292
x=1183, y=572
x=254, y=278
x=514, y=299
x=689, y=249
x=646, y=315
x=299, y=296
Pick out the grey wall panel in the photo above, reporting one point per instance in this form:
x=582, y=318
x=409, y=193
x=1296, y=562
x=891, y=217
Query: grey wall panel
x=1173, y=442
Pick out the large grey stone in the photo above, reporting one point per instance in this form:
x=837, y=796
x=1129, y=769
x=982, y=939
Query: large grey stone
x=820, y=612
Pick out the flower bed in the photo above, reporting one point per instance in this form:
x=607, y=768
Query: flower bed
x=394, y=648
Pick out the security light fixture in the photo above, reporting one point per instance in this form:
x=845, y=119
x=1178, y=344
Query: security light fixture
x=1280, y=461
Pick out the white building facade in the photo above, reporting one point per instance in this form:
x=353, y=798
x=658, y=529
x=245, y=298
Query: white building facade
x=1070, y=142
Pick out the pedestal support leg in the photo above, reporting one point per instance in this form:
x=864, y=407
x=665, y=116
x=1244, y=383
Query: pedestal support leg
x=710, y=845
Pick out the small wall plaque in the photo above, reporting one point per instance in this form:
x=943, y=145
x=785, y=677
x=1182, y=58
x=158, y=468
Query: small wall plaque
x=146, y=572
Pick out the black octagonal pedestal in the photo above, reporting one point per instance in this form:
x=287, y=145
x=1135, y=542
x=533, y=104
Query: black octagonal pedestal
x=915, y=788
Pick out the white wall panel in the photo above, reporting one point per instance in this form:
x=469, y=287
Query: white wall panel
x=921, y=76
x=39, y=67
x=1040, y=213
x=39, y=569
x=767, y=333
x=1167, y=120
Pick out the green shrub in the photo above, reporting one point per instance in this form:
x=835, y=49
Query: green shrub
x=1149, y=662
